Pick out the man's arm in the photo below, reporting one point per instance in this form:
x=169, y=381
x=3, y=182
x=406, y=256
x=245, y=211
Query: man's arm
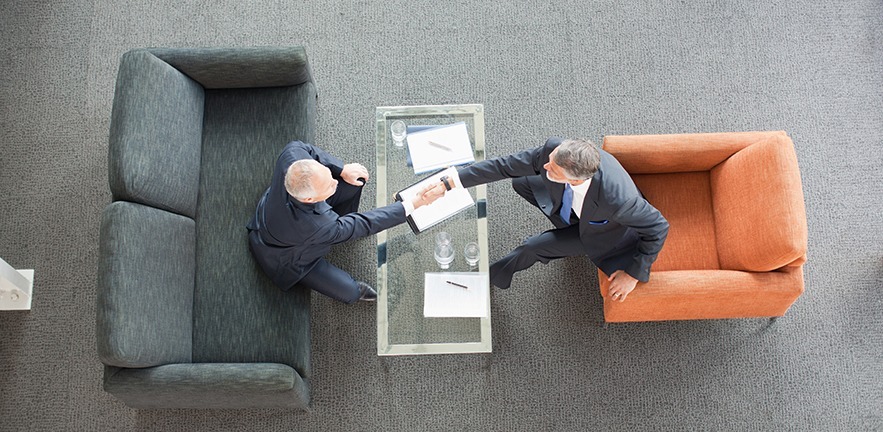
x=297, y=150
x=357, y=225
x=521, y=164
x=652, y=229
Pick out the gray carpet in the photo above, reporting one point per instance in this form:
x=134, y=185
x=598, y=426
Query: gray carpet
x=541, y=68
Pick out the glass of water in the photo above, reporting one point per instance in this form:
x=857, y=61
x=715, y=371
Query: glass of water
x=444, y=250
x=472, y=253
x=398, y=130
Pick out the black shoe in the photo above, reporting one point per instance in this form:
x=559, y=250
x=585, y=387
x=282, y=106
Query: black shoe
x=367, y=293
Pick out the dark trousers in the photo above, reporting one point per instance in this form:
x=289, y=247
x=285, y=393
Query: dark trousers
x=326, y=278
x=552, y=244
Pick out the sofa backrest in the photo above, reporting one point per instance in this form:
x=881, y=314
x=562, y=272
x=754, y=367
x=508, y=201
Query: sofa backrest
x=231, y=68
x=155, y=135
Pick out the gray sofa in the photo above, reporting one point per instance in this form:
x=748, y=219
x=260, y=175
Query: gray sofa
x=185, y=317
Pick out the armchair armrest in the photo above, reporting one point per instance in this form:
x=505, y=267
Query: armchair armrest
x=651, y=154
x=218, y=68
x=209, y=385
x=760, y=219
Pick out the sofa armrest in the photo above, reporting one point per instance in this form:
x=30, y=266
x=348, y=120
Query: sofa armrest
x=209, y=385
x=652, y=154
x=155, y=137
x=219, y=68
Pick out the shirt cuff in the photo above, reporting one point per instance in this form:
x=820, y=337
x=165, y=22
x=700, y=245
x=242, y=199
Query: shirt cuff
x=456, y=178
x=409, y=207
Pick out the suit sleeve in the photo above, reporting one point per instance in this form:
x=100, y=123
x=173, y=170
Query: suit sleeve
x=357, y=225
x=652, y=229
x=297, y=150
x=522, y=164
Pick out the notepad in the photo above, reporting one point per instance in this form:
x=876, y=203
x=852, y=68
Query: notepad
x=439, y=147
x=441, y=299
x=454, y=201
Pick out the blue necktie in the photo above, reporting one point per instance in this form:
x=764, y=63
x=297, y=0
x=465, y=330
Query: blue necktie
x=566, y=203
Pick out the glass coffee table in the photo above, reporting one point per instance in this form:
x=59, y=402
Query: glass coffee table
x=404, y=257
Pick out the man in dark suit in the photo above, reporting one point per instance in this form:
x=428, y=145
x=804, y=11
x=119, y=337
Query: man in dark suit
x=590, y=199
x=306, y=210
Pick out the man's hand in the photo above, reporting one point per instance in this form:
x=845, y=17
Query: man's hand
x=429, y=194
x=354, y=174
x=621, y=284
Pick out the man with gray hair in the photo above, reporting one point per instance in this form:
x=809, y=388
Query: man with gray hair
x=595, y=207
x=307, y=209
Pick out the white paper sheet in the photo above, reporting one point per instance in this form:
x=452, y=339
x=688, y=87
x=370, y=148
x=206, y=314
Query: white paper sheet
x=454, y=201
x=442, y=299
x=440, y=147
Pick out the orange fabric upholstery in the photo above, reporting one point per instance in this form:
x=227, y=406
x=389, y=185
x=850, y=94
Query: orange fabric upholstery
x=691, y=244
x=737, y=238
x=757, y=198
x=706, y=294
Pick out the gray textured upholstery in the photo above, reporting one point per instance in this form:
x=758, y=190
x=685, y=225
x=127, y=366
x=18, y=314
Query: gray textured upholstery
x=209, y=385
x=186, y=319
x=242, y=135
x=224, y=68
x=155, y=135
x=145, y=286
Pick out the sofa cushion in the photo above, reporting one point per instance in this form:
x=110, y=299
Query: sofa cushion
x=145, y=286
x=240, y=316
x=760, y=220
x=155, y=135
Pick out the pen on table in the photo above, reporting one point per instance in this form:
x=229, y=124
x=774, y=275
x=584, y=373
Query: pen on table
x=433, y=143
x=456, y=284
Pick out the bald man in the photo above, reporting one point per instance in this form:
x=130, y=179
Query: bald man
x=306, y=209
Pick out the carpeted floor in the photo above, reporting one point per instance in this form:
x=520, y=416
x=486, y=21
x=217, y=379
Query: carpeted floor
x=541, y=68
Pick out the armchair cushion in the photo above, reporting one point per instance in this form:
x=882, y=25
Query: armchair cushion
x=760, y=221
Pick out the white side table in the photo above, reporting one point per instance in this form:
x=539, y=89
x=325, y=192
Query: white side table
x=16, y=287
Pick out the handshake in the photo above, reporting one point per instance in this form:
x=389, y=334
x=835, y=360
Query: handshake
x=433, y=191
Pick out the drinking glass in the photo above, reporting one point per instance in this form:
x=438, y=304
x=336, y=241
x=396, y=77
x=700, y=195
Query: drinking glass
x=471, y=252
x=444, y=250
x=398, y=130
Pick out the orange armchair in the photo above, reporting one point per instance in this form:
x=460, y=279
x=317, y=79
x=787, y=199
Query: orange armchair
x=737, y=238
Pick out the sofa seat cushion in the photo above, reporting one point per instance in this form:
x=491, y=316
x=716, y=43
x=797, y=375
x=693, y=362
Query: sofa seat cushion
x=240, y=316
x=145, y=286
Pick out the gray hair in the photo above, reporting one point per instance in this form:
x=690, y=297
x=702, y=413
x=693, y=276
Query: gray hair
x=299, y=179
x=579, y=158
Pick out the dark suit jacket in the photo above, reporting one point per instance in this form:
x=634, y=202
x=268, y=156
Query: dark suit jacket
x=293, y=236
x=618, y=227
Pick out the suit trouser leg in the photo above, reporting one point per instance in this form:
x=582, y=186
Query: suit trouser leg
x=552, y=244
x=327, y=279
